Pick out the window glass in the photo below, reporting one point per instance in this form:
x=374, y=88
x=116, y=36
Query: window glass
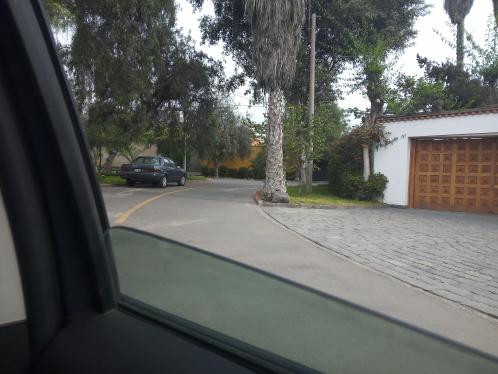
x=305, y=327
x=146, y=160
x=381, y=136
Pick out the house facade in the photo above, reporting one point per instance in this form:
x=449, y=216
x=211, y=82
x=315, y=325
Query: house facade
x=443, y=161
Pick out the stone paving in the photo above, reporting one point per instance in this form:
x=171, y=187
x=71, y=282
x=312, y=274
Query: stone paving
x=452, y=255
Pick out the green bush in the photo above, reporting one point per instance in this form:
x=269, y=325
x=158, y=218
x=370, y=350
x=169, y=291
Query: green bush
x=258, y=166
x=222, y=171
x=350, y=185
x=291, y=174
x=374, y=187
x=205, y=170
x=345, y=156
x=243, y=173
x=232, y=173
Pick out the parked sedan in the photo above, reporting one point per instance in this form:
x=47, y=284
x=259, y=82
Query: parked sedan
x=149, y=169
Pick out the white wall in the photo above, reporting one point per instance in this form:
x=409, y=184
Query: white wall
x=394, y=160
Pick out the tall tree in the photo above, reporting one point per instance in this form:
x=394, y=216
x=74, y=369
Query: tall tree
x=117, y=52
x=276, y=35
x=329, y=123
x=457, y=10
x=378, y=31
x=342, y=26
x=184, y=96
x=229, y=136
x=136, y=79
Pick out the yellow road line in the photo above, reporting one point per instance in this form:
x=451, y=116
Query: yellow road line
x=124, y=216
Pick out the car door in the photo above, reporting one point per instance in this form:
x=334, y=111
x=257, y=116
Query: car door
x=117, y=300
x=173, y=171
x=164, y=165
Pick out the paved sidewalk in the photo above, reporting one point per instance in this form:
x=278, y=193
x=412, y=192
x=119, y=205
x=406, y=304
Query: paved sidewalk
x=452, y=255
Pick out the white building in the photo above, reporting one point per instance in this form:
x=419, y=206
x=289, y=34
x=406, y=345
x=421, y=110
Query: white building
x=446, y=161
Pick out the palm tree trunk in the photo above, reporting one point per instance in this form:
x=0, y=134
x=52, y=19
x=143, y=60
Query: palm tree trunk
x=460, y=47
x=274, y=188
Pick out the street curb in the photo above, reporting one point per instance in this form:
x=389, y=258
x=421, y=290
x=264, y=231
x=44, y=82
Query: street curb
x=261, y=202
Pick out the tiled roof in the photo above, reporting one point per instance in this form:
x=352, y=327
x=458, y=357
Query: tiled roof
x=453, y=113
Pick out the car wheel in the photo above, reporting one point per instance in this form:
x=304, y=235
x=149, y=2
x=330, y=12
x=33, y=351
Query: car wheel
x=130, y=183
x=182, y=181
x=164, y=182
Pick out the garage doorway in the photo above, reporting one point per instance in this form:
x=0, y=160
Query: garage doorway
x=454, y=174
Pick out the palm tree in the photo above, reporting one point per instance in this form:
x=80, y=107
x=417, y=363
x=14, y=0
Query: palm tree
x=276, y=27
x=457, y=11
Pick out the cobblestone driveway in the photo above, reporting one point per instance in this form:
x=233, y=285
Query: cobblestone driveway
x=453, y=255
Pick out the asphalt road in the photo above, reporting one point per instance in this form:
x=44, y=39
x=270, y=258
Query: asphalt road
x=221, y=217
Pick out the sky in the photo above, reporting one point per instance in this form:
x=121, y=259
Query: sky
x=427, y=43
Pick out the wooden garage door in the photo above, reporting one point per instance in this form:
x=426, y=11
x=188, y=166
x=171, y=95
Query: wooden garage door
x=459, y=174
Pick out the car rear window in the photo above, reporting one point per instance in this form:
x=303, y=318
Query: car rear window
x=146, y=160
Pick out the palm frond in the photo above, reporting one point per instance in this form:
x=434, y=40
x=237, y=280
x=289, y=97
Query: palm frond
x=457, y=9
x=276, y=34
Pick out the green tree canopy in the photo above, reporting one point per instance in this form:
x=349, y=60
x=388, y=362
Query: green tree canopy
x=135, y=78
x=444, y=86
x=229, y=136
x=329, y=123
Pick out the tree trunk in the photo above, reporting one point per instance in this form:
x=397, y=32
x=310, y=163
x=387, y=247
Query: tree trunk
x=366, y=162
x=100, y=159
x=460, y=45
x=274, y=188
x=302, y=169
x=216, y=170
x=108, y=162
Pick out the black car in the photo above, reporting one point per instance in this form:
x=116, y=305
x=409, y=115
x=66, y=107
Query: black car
x=153, y=169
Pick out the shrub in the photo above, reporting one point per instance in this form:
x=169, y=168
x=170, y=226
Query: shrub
x=350, y=185
x=291, y=174
x=345, y=157
x=205, y=170
x=232, y=173
x=374, y=187
x=243, y=173
x=222, y=171
x=258, y=166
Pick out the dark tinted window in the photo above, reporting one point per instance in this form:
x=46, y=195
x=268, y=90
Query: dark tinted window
x=146, y=160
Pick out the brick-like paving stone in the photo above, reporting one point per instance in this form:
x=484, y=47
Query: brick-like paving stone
x=452, y=255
